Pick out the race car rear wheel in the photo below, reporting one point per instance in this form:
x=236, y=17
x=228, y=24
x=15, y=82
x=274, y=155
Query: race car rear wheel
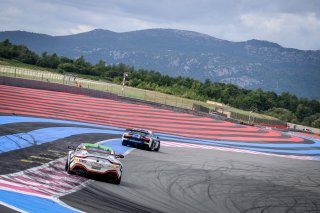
x=117, y=180
x=158, y=147
x=124, y=143
x=151, y=148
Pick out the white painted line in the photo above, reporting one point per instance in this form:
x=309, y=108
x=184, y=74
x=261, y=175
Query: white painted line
x=187, y=145
x=128, y=151
x=56, y=166
x=66, y=205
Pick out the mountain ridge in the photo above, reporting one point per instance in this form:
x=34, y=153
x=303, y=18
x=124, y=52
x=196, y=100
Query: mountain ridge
x=250, y=64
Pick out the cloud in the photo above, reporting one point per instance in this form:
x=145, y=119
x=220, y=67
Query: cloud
x=80, y=29
x=298, y=29
x=291, y=24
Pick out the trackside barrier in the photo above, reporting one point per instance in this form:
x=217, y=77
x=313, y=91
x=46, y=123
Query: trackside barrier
x=303, y=128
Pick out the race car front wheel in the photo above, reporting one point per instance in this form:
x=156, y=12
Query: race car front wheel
x=67, y=168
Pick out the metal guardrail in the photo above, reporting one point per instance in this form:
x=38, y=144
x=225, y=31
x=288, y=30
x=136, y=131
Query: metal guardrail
x=303, y=128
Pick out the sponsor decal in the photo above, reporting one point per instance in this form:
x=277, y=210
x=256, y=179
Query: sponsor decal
x=136, y=136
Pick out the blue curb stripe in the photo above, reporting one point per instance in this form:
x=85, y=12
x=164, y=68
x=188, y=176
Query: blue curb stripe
x=116, y=145
x=33, y=204
x=17, y=141
x=20, y=119
x=40, y=136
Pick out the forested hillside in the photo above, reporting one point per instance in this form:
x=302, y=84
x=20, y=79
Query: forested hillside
x=249, y=64
x=286, y=106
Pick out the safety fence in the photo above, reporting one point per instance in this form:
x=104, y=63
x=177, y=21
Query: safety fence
x=249, y=118
x=303, y=128
x=136, y=93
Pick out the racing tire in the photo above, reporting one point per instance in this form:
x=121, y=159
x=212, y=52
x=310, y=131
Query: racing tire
x=124, y=143
x=117, y=180
x=158, y=148
x=69, y=171
x=67, y=168
x=151, y=148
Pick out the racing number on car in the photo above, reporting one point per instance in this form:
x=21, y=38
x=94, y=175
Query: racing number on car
x=96, y=166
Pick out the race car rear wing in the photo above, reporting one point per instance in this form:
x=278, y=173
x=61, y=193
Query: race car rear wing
x=107, y=153
x=139, y=130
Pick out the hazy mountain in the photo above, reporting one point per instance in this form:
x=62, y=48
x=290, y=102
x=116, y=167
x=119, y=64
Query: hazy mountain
x=249, y=64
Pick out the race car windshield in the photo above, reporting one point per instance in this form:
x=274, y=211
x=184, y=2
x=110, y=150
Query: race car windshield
x=139, y=132
x=100, y=151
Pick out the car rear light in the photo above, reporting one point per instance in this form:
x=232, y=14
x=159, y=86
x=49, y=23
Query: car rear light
x=146, y=139
x=115, y=166
x=127, y=135
x=114, y=163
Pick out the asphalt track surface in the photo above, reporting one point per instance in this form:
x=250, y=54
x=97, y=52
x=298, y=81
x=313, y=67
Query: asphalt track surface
x=190, y=180
x=182, y=177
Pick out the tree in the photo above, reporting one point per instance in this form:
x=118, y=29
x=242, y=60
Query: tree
x=27, y=56
x=282, y=114
x=302, y=112
x=316, y=123
x=288, y=101
x=47, y=60
x=308, y=121
x=67, y=67
x=99, y=68
x=65, y=60
x=83, y=66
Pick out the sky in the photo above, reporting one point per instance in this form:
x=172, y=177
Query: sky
x=290, y=23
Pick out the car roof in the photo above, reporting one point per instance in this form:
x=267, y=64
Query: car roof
x=141, y=130
x=92, y=145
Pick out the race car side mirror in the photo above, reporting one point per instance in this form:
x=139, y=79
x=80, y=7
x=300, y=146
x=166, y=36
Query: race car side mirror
x=71, y=147
x=120, y=156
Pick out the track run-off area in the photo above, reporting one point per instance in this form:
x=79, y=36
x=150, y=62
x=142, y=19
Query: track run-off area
x=204, y=165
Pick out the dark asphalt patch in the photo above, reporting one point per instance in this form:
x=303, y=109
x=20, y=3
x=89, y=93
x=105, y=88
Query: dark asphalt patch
x=18, y=160
x=4, y=209
x=97, y=199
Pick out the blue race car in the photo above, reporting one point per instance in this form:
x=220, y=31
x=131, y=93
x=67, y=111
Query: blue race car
x=141, y=138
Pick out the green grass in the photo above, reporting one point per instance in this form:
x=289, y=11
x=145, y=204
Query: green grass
x=15, y=63
x=20, y=70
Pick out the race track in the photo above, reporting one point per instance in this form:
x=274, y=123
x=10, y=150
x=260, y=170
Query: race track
x=204, y=165
x=189, y=180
